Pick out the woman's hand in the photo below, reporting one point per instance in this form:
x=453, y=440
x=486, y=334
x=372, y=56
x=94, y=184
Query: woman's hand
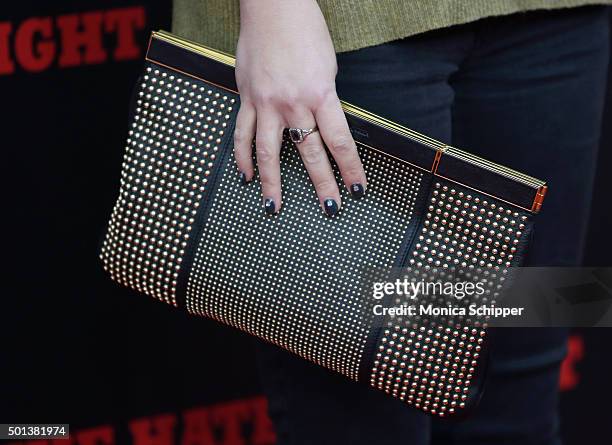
x=285, y=71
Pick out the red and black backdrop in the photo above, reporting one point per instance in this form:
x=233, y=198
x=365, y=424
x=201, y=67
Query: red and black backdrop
x=116, y=366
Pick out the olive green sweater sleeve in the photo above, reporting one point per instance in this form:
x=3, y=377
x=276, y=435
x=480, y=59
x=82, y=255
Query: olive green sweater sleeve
x=355, y=24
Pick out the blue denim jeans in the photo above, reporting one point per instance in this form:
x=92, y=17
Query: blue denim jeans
x=526, y=91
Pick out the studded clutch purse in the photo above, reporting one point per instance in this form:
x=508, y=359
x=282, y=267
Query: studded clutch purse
x=184, y=230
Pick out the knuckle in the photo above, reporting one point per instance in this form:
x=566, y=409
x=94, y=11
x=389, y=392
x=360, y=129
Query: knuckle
x=264, y=97
x=289, y=99
x=240, y=137
x=265, y=153
x=312, y=153
x=274, y=99
x=319, y=96
x=342, y=145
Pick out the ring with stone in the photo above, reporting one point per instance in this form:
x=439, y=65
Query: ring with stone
x=298, y=135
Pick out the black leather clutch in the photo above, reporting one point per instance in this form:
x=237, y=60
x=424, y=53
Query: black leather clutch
x=186, y=231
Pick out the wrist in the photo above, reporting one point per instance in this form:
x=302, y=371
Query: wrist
x=270, y=11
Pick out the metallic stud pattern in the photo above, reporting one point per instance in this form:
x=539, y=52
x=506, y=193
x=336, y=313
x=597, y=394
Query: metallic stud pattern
x=294, y=278
x=462, y=229
x=430, y=363
x=178, y=126
x=430, y=368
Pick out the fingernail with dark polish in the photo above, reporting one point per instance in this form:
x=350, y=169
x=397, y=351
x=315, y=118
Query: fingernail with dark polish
x=357, y=191
x=243, y=178
x=331, y=207
x=269, y=206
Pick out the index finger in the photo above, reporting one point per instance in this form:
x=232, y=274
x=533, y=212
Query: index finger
x=267, y=151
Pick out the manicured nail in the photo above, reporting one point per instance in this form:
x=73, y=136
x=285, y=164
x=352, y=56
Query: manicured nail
x=331, y=207
x=243, y=179
x=357, y=191
x=269, y=206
